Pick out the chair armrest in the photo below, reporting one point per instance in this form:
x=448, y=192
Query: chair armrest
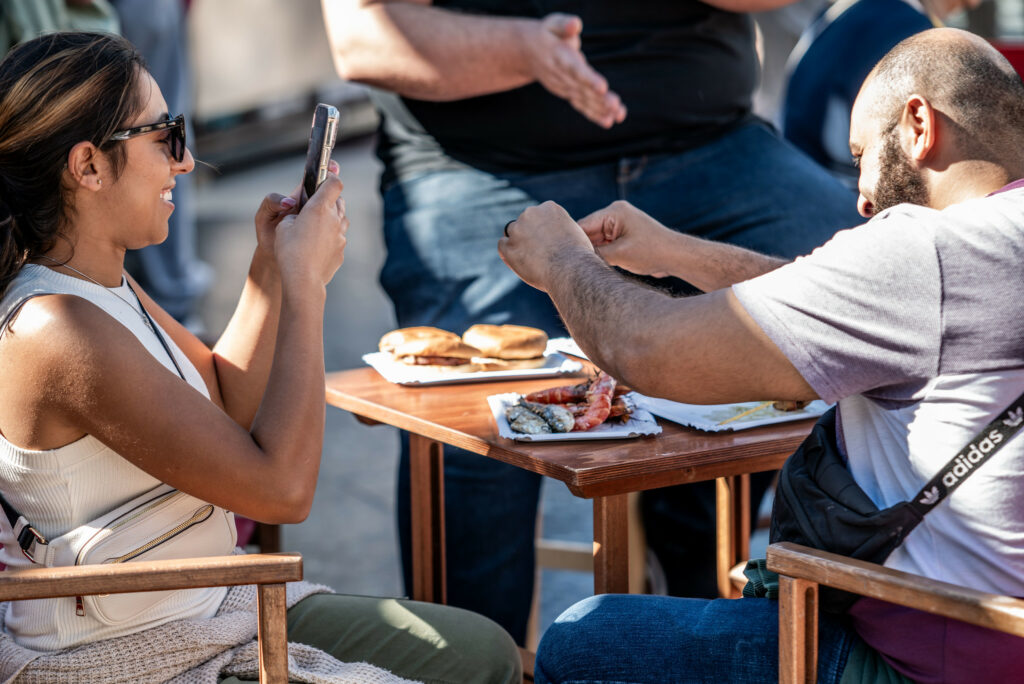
x=994, y=611
x=121, y=578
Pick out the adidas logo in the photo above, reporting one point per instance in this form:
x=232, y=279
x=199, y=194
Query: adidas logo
x=930, y=497
x=1016, y=417
x=967, y=459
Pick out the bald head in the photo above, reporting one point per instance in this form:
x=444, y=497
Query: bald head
x=960, y=74
x=940, y=119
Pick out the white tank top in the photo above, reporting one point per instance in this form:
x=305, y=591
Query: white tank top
x=60, y=489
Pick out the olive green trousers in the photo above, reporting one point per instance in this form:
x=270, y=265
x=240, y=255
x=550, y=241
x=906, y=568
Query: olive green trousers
x=420, y=641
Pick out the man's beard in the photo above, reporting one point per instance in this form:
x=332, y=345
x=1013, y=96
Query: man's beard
x=898, y=180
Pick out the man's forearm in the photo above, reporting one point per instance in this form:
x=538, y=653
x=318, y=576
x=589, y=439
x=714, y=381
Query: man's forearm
x=702, y=349
x=711, y=265
x=616, y=321
x=426, y=52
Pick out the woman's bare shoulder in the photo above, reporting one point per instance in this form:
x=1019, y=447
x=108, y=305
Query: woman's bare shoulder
x=54, y=338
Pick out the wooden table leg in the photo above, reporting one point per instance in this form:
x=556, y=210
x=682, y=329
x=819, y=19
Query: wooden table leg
x=426, y=466
x=637, y=545
x=611, y=544
x=732, y=502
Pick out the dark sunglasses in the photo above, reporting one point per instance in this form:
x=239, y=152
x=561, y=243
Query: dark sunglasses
x=176, y=126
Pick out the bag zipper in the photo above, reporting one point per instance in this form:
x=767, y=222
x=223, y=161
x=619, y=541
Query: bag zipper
x=125, y=519
x=199, y=516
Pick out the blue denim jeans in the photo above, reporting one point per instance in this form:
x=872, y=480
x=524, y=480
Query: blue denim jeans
x=442, y=268
x=659, y=639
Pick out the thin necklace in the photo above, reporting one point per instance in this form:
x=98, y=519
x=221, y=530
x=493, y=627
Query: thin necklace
x=141, y=314
x=141, y=311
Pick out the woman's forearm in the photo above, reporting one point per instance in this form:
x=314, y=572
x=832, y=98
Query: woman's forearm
x=245, y=351
x=290, y=420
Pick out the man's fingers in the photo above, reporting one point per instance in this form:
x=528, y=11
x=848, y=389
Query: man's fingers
x=602, y=227
x=574, y=71
x=571, y=77
x=609, y=252
x=591, y=97
x=611, y=228
x=503, y=251
x=565, y=26
x=593, y=226
x=620, y=115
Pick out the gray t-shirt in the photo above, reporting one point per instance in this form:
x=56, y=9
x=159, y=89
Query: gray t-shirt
x=914, y=324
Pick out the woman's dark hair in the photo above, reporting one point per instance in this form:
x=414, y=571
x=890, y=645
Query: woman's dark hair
x=55, y=92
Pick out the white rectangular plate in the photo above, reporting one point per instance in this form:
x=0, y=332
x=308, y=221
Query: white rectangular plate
x=639, y=424
x=404, y=374
x=708, y=417
x=566, y=345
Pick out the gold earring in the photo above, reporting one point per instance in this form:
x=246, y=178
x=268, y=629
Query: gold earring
x=99, y=181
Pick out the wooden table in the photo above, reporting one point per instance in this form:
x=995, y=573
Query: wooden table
x=605, y=471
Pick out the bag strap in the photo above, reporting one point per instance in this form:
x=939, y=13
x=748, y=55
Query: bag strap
x=156, y=331
x=984, y=446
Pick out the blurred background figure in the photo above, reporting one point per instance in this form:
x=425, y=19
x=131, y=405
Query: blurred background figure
x=778, y=31
x=170, y=271
x=831, y=60
x=25, y=19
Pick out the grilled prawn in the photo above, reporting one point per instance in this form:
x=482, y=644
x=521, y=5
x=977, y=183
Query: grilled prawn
x=599, y=403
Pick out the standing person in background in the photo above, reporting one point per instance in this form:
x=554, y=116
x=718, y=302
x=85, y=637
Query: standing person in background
x=831, y=60
x=491, y=107
x=171, y=272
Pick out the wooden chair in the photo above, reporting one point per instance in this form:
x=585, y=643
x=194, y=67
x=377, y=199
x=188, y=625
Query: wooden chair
x=802, y=569
x=268, y=572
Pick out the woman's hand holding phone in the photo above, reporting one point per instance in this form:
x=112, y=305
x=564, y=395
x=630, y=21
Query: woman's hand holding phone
x=311, y=244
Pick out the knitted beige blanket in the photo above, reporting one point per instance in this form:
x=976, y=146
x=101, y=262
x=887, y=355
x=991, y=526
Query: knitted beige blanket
x=198, y=651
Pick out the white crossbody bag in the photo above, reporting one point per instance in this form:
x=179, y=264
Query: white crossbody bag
x=162, y=523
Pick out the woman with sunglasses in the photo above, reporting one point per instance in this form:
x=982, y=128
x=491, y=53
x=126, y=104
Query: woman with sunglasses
x=105, y=398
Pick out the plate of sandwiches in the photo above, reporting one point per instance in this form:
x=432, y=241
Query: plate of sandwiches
x=425, y=355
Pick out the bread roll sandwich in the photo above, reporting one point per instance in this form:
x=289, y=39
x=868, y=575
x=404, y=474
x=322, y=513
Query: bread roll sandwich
x=507, y=347
x=431, y=348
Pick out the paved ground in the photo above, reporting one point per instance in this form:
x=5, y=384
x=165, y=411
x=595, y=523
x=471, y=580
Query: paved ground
x=349, y=539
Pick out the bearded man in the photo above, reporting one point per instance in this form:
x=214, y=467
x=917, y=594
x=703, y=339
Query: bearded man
x=912, y=323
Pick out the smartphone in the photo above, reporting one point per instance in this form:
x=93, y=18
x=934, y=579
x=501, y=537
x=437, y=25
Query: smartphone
x=318, y=153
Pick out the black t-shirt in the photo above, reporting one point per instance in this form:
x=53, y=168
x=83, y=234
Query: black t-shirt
x=685, y=71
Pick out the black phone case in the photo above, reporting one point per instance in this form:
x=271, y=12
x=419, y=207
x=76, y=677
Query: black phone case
x=317, y=137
